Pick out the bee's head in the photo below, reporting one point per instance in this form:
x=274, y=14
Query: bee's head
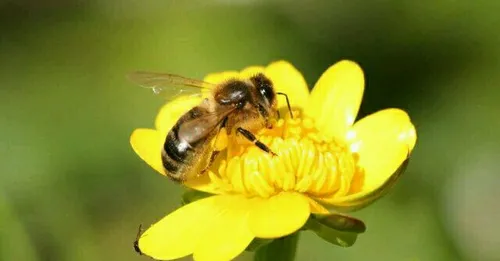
x=266, y=98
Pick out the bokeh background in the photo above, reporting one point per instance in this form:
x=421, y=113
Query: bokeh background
x=71, y=187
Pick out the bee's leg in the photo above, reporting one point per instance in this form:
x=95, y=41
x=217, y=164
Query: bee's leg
x=212, y=158
x=222, y=125
x=215, y=153
x=249, y=136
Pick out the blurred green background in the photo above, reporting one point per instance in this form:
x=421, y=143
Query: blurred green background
x=73, y=189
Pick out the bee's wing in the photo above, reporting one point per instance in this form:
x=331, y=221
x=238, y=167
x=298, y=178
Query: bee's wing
x=196, y=129
x=169, y=85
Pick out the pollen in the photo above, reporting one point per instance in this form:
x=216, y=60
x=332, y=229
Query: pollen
x=306, y=162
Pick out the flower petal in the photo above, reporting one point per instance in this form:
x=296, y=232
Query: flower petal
x=317, y=208
x=229, y=234
x=170, y=113
x=177, y=234
x=289, y=80
x=251, y=71
x=362, y=199
x=220, y=77
x=148, y=143
x=203, y=183
x=279, y=215
x=383, y=141
x=335, y=99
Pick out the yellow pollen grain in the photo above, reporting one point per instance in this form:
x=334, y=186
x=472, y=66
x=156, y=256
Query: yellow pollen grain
x=306, y=162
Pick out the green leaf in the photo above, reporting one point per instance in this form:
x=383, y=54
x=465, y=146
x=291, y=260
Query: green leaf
x=336, y=229
x=192, y=195
x=341, y=223
x=282, y=249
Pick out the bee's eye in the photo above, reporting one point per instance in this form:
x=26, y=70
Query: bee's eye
x=263, y=91
x=266, y=92
x=264, y=87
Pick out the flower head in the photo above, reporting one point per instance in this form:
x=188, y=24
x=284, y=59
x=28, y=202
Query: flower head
x=325, y=161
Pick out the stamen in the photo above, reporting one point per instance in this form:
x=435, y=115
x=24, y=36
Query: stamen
x=307, y=162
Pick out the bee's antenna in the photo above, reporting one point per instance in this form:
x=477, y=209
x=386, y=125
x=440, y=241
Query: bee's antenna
x=279, y=115
x=287, y=103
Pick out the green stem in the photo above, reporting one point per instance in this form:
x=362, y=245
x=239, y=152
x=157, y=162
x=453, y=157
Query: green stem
x=282, y=249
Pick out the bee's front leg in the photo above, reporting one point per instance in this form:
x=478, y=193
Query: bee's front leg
x=249, y=136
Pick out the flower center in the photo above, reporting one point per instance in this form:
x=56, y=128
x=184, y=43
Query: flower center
x=307, y=162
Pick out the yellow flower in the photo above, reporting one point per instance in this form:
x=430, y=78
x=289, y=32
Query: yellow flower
x=325, y=162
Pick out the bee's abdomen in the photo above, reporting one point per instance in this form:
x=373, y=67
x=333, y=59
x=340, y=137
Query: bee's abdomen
x=176, y=154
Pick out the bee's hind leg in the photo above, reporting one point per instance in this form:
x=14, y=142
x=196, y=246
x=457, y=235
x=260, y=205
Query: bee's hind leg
x=212, y=159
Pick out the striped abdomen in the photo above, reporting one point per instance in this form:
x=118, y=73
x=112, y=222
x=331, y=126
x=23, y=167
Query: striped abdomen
x=180, y=158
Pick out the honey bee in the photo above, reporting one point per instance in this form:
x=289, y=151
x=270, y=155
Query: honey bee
x=236, y=105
